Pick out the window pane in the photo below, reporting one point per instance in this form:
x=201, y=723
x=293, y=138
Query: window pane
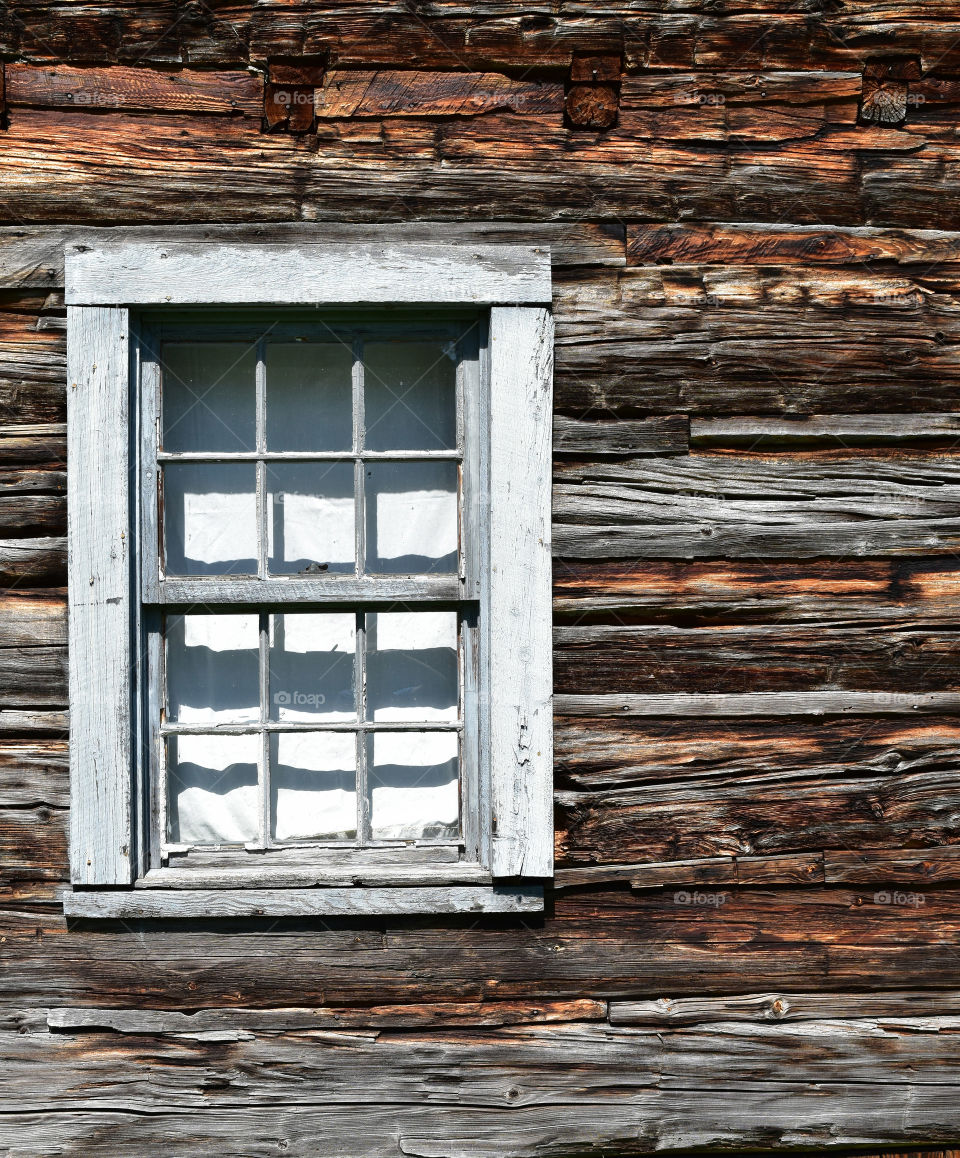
x=412, y=671
x=209, y=396
x=309, y=396
x=414, y=786
x=311, y=667
x=313, y=779
x=213, y=672
x=210, y=519
x=311, y=518
x=412, y=511
x=410, y=397
x=212, y=784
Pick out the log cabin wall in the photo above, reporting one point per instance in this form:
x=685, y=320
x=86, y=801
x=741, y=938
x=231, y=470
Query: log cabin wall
x=753, y=940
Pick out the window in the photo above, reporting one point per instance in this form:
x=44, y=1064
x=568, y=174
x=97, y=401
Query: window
x=309, y=575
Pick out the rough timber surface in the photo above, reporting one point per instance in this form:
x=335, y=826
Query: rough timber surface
x=750, y=942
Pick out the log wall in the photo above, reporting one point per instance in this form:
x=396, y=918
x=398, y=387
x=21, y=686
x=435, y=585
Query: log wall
x=753, y=938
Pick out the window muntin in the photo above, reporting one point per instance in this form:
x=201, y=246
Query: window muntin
x=285, y=723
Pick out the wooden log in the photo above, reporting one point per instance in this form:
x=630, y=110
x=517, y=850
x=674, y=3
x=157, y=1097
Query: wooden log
x=34, y=562
x=777, y=244
x=785, y=1007
x=830, y=655
x=42, y=443
x=621, y=436
x=33, y=843
x=386, y=93
x=775, y=814
x=134, y=89
x=914, y=867
x=720, y=593
x=33, y=677
x=34, y=773
x=33, y=618
x=748, y=704
x=829, y=430
x=34, y=723
x=602, y=753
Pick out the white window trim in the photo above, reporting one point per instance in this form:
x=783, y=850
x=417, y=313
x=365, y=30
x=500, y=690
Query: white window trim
x=103, y=282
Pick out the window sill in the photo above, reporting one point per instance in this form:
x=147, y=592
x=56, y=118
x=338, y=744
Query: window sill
x=149, y=904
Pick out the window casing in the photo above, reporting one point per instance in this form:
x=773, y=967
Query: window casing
x=484, y=462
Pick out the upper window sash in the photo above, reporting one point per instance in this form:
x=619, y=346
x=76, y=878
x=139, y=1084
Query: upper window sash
x=468, y=339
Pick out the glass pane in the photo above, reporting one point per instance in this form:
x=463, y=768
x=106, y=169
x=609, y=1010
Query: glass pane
x=410, y=395
x=309, y=396
x=412, y=516
x=210, y=519
x=212, y=782
x=414, y=786
x=314, y=785
x=209, y=396
x=311, y=520
x=311, y=667
x=213, y=670
x=412, y=671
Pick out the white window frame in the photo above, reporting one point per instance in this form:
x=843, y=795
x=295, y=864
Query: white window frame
x=106, y=285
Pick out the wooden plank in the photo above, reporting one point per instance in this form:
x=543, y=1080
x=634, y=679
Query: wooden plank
x=515, y=617
x=44, y=443
x=719, y=704
x=914, y=867
x=782, y=244
x=33, y=677
x=33, y=562
x=899, y=591
x=623, y=436
x=147, y=904
x=842, y=429
x=827, y=655
x=33, y=618
x=34, y=723
x=133, y=273
x=329, y=589
x=785, y=1007
x=230, y=1024
x=34, y=772
x=134, y=89
x=34, y=255
x=100, y=550
x=388, y=93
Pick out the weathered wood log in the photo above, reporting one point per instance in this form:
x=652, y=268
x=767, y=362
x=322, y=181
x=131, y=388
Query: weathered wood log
x=602, y=753
x=824, y=656
x=33, y=773
x=707, y=593
x=134, y=89
x=17, y=723
x=623, y=436
x=839, y=430
x=787, y=1007
x=33, y=618
x=748, y=704
x=386, y=93
x=33, y=562
x=762, y=815
x=43, y=443
x=33, y=677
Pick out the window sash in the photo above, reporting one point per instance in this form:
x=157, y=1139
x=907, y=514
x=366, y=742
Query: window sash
x=357, y=593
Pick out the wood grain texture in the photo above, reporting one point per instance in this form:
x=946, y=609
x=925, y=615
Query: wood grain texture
x=134, y=89
x=100, y=551
x=516, y=636
x=134, y=273
x=386, y=93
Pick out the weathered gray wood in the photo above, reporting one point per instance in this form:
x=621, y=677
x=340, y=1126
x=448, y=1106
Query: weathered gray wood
x=333, y=589
x=33, y=562
x=100, y=552
x=836, y=429
x=759, y=704
x=706, y=540
x=377, y=870
x=232, y=1023
x=621, y=436
x=146, y=904
x=917, y=1005
x=517, y=633
x=34, y=723
x=34, y=772
x=142, y=273
x=33, y=255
